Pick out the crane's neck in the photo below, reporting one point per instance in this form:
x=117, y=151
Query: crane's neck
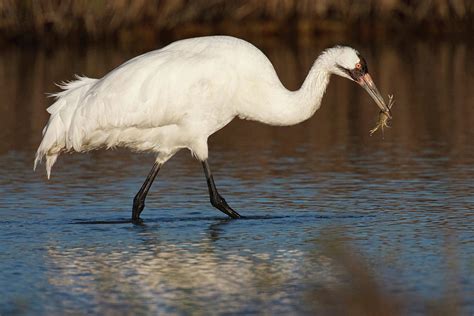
x=284, y=107
x=307, y=99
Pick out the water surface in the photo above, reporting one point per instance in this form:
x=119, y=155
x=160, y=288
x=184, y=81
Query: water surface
x=403, y=204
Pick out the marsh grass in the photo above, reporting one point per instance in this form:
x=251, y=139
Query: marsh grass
x=34, y=20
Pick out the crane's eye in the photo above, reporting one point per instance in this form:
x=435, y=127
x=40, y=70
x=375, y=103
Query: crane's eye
x=358, y=66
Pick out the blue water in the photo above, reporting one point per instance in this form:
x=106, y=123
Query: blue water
x=403, y=206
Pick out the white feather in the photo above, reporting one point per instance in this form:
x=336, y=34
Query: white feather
x=178, y=96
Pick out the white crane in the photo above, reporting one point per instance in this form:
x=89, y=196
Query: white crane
x=177, y=96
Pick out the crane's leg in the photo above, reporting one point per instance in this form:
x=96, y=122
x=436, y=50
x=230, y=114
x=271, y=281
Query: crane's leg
x=216, y=199
x=139, y=200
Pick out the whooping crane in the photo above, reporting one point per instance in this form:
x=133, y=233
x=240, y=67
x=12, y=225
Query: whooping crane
x=177, y=96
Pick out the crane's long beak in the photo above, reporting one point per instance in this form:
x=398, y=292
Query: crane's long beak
x=366, y=82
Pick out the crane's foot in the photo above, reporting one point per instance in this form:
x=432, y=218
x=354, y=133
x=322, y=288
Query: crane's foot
x=137, y=221
x=138, y=206
x=216, y=199
x=136, y=218
x=219, y=202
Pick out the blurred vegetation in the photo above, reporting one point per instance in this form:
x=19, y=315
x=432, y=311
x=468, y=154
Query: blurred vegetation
x=43, y=20
x=360, y=290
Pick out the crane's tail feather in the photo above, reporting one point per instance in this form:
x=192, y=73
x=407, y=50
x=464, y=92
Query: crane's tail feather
x=56, y=131
x=52, y=144
x=50, y=160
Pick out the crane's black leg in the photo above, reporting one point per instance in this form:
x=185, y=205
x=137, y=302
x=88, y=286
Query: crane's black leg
x=139, y=200
x=216, y=199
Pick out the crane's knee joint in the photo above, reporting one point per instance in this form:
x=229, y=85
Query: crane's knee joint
x=217, y=201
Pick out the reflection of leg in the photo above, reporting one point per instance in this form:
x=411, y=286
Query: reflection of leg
x=216, y=199
x=139, y=200
x=215, y=229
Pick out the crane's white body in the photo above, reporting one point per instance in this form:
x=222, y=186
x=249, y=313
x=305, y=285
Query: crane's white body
x=177, y=96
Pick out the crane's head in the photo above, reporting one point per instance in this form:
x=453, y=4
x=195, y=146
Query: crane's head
x=350, y=64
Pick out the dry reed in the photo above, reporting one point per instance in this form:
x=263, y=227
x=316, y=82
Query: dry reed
x=96, y=19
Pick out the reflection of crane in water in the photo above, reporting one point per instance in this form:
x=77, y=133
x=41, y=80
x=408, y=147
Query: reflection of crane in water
x=176, y=97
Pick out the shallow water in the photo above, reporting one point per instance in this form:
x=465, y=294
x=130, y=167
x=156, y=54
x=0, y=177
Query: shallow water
x=404, y=204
